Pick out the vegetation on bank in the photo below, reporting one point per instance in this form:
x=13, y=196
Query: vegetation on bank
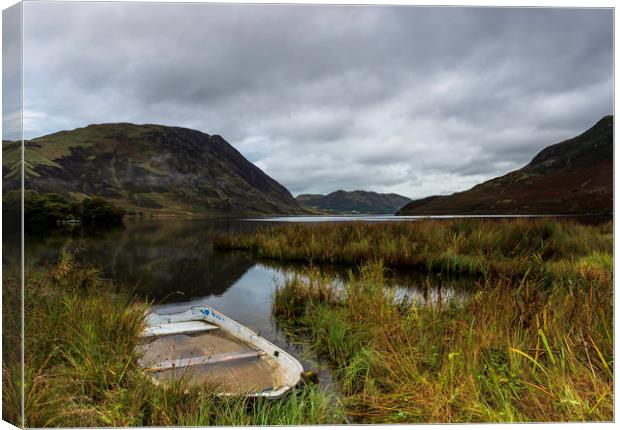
x=510, y=248
x=52, y=208
x=532, y=342
x=82, y=371
x=510, y=352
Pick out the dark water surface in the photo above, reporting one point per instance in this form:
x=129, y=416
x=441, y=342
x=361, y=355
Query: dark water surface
x=172, y=263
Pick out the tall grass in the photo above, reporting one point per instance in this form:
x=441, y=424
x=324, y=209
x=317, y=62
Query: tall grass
x=509, y=353
x=473, y=246
x=534, y=341
x=81, y=366
x=11, y=345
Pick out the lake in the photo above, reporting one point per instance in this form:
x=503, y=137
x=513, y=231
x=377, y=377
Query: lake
x=172, y=263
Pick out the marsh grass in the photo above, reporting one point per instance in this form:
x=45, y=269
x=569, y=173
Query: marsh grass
x=511, y=352
x=472, y=246
x=532, y=342
x=11, y=345
x=81, y=366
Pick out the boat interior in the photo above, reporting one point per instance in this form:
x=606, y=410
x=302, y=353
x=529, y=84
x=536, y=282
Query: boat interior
x=205, y=354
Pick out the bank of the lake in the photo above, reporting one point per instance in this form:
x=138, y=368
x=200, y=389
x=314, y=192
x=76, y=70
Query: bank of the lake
x=532, y=340
x=533, y=343
x=500, y=247
x=81, y=365
x=172, y=263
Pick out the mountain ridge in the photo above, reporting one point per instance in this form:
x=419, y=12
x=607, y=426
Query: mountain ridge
x=574, y=176
x=149, y=167
x=358, y=201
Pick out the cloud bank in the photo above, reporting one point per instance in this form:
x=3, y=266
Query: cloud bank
x=413, y=100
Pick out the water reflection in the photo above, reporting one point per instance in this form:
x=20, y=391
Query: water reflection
x=173, y=263
x=166, y=260
x=591, y=219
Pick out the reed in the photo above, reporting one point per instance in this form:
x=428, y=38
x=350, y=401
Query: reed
x=11, y=345
x=81, y=365
x=511, y=352
x=478, y=247
x=533, y=342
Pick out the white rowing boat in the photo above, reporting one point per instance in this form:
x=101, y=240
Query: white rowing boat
x=206, y=346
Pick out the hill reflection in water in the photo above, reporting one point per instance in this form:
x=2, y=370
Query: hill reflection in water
x=163, y=260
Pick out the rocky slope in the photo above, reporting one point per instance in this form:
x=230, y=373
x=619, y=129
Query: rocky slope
x=148, y=168
x=571, y=177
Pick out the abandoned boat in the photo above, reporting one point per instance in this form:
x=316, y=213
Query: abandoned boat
x=206, y=346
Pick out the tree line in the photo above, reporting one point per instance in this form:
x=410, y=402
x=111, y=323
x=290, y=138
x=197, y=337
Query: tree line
x=53, y=208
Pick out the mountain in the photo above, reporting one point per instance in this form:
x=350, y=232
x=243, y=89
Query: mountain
x=148, y=168
x=571, y=177
x=354, y=201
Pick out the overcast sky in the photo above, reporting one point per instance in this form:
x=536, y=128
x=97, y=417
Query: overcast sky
x=411, y=100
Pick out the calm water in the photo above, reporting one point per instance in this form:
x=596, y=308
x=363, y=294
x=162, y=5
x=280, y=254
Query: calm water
x=172, y=262
x=385, y=218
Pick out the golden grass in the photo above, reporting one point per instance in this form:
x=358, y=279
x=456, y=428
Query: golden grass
x=508, y=353
x=81, y=365
x=473, y=246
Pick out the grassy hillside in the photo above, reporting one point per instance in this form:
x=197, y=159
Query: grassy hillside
x=148, y=168
x=571, y=177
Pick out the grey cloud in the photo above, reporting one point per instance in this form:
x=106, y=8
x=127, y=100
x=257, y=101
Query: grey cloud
x=11, y=73
x=407, y=99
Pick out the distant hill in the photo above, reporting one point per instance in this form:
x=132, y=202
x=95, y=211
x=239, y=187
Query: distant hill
x=571, y=177
x=354, y=202
x=150, y=168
